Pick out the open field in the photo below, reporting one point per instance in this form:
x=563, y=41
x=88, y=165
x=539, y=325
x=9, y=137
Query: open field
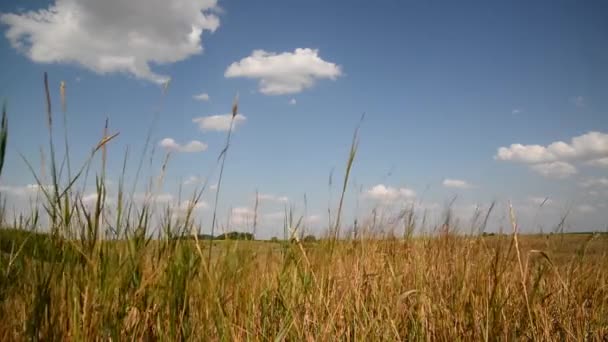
x=214, y=170
x=428, y=288
x=136, y=271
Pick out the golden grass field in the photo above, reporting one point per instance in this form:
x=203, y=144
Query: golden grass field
x=127, y=275
x=429, y=288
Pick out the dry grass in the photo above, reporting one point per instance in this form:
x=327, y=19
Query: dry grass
x=444, y=288
x=99, y=275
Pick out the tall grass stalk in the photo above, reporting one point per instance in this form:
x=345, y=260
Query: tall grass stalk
x=138, y=272
x=222, y=161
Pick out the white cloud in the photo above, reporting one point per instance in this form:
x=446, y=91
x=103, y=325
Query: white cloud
x=89, y=198
x=218, y=122
x=555, y=159
x=557, y=169
x=578, y=101
x=201, y=97
x=587, y=146
x=22, y=190
x=192, y=180
x=600, y=162
x=594, y=182
x=192, y=146
x=312, y=219
x=273, y=198
x=516, y=111
x=384, y=193
x=456, y=183
x=292, y=101
x=284, y=73
x=185, y=205
x=113, y=35
x=524, y=153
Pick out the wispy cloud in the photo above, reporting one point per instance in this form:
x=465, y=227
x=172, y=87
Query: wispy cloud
x=599, y=162
x=22, y=190
x=186, y=205
x=103, y=36
x=516, y=111
x=284, y=73
x=594, y=182
x=220, y=123
x=190, y=147
x=456, y=183
x=273, y=198
x=292, y=101
x=202, y=97
x=193, y=180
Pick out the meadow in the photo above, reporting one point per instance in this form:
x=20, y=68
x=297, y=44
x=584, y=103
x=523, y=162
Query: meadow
x=140, y=272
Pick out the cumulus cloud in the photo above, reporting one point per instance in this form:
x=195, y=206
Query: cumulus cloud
x=524, y=153
x=555, y=159
x=456, y=183
x=192, y=146
x=386, y=193
x=284, y=73
x=557, y=169
x=113, y=35
x=202, y=97
x=218, y=123
x=599, y=162
x=584, y=147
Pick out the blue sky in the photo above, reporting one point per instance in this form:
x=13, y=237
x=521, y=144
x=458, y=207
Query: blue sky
x=443, y=85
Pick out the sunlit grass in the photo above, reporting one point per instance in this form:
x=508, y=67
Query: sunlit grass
x=138, y=271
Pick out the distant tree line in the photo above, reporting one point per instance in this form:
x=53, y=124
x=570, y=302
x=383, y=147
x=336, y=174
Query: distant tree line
x=226, y=236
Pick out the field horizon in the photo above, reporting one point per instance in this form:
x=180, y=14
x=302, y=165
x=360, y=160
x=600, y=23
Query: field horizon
x=220, y=170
